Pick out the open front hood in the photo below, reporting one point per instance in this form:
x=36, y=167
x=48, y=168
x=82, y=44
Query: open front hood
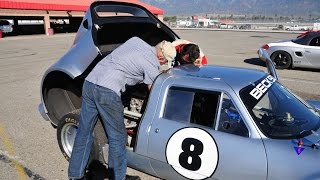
x=101, y=13
x=117, y=12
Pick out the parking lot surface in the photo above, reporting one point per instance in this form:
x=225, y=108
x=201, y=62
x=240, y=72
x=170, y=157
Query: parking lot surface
x=28, y=145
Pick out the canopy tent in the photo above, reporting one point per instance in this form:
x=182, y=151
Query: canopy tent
x=64, y=5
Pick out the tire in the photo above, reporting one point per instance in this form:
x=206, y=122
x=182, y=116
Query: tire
x=281, y=59
x=66, y=133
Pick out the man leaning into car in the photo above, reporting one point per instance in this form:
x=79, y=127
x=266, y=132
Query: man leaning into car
x=133, y=62
x=188, y=53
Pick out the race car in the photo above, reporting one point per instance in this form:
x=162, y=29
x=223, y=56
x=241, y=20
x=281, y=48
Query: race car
x=303, y=51
x=209, y=122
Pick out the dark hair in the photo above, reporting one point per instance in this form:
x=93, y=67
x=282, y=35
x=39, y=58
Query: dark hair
x=192, y=50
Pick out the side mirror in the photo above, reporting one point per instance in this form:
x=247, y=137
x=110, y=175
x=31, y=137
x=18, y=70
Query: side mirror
x=270, y=65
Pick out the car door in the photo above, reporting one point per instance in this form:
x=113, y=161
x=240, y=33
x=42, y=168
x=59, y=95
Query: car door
x=194, y=136
x=313, y=52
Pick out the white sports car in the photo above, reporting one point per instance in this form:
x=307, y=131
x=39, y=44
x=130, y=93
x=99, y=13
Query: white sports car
x=303, y=51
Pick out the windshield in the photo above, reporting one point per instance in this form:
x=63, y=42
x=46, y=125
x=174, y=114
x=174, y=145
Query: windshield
x=299, y=40
x=277, y=112
x=119, y=10
x=4, y=22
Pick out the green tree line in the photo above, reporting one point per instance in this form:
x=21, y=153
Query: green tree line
x=170, y=18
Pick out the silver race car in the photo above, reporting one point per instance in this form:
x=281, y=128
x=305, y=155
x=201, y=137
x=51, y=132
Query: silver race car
x=304, y=51
x=212, y=122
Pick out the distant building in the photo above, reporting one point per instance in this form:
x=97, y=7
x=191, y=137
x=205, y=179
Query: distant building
x=51, y=11
x=203, y=21
x=184, y=23
x=226, y=21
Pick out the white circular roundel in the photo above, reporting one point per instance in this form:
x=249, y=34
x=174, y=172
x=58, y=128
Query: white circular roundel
x=193, y=153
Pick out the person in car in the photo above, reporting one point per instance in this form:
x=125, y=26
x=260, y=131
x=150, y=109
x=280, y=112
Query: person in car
x=133, y=62
x=188, y=53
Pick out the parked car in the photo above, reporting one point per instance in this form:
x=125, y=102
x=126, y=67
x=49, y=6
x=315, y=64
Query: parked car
x=196, y=123
x=303, y=51
x=296, y=28
x=5, y=26
x=246, y=26
x=316, y=26
x=227, y=26
x=278, y=27
x=223, y=26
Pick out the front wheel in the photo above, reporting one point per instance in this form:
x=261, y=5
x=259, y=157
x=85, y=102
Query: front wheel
x=281, y=59
x=66, y=133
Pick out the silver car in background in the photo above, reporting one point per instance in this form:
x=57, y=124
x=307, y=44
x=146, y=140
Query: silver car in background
x=5, y=26
x=304, y=52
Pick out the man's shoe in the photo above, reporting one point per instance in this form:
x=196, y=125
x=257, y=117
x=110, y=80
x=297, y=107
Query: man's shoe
x=132, y=177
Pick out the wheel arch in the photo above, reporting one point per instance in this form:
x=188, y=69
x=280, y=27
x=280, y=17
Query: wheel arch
x=61, y=94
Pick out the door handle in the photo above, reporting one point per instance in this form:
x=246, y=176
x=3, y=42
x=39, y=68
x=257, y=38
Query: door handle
x=157, y=130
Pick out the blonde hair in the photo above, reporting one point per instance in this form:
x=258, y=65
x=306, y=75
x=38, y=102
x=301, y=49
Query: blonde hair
x=168, y=50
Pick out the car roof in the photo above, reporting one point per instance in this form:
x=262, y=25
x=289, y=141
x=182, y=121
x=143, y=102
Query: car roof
x=235, y=77
x=312, y=34
x=306, y=37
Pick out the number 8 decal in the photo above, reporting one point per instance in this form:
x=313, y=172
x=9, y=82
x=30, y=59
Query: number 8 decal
x=193, y=153
x=184, y=157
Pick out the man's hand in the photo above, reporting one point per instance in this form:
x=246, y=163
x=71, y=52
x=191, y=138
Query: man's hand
x=197, y=62
x=165, y=71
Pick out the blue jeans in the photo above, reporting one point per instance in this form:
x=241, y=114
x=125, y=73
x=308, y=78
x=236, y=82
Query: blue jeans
x=101, y=101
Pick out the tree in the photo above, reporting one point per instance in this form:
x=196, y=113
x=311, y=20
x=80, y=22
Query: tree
x=166, y=18
x=173, y=18
x=170, y=18
x=281, y=18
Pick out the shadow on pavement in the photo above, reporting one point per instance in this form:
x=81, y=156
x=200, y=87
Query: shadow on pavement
x=98, y=171
x=306, y=69
x=258, y=62
x=255, y=61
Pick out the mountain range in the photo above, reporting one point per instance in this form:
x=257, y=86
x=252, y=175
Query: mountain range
x=305, y=8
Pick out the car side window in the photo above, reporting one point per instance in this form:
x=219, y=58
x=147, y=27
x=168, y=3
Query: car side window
x=230, y=119
x=178, y=105
x=192, y=105
x=202, y=107
x=315, y=41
